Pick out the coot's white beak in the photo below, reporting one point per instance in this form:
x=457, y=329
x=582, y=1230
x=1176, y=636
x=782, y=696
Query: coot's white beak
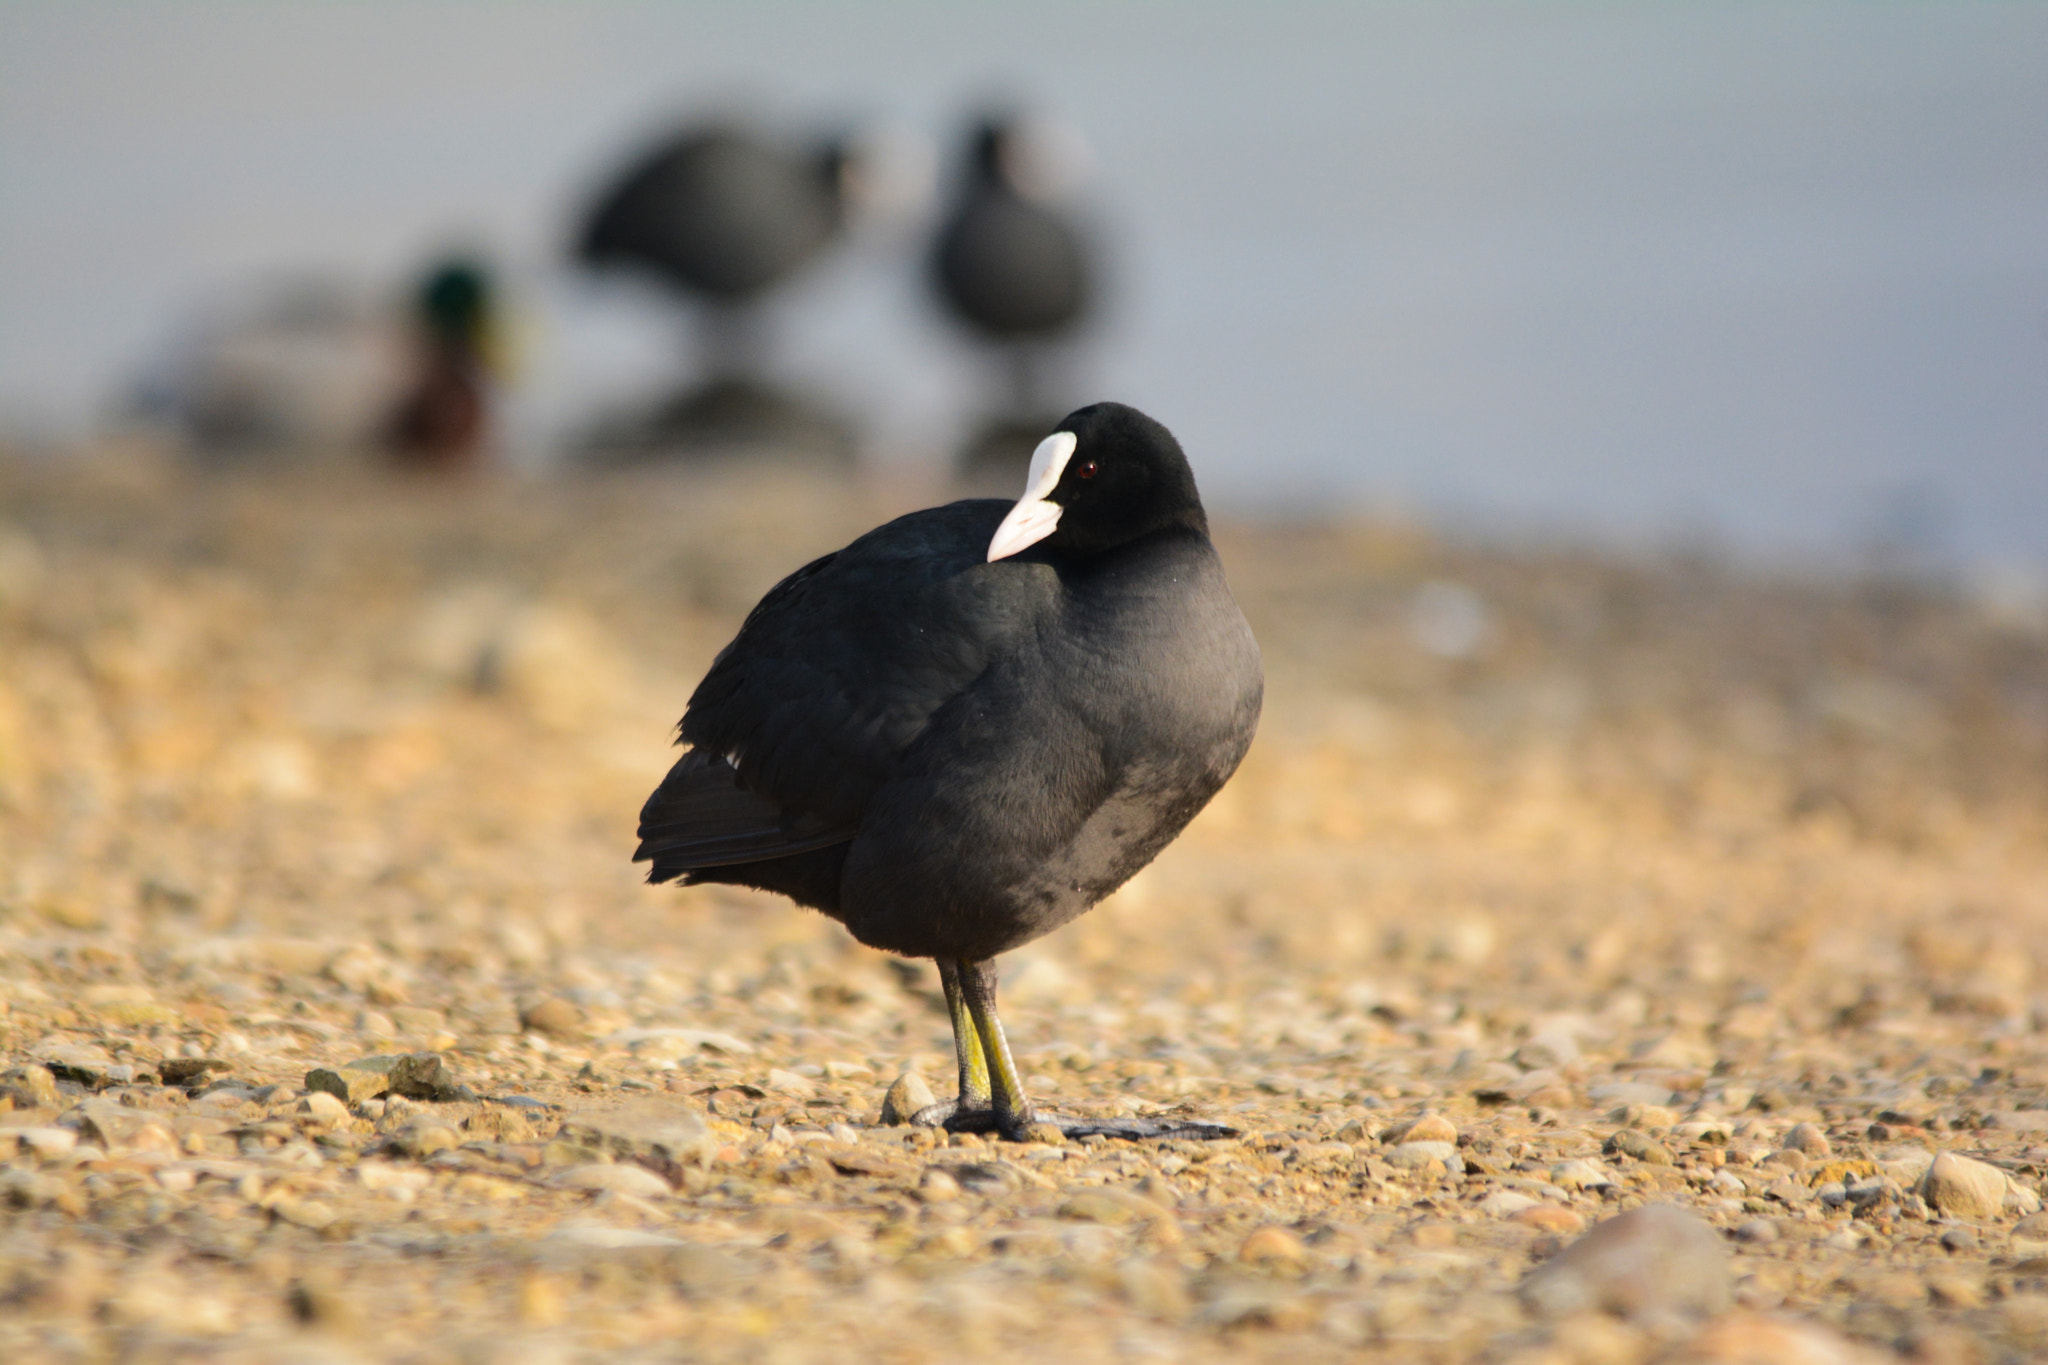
x=1033, y=518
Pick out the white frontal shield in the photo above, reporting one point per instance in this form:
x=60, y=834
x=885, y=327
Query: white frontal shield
x=1033, y=518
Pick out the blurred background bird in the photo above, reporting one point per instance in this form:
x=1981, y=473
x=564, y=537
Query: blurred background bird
x=722, y=215
x=1014, y=265
x=443, y=418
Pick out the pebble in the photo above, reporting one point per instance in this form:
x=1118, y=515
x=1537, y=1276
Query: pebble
x=1757, y=1232
x=791, y=1084
x=422, y=1138
x=618, y=1178
x=1424, y=1156
x=1427, y=1128
x=47, y=1144
x=1807, y=1138
x=188, y=1071
x=1115, y=1207
x=389, y=1177
x=935, y=1186
x=352, y=1083
x=311, y=1214
x=322, y=1107
x=1583, y=1173
x=667, y=1136
x=1553, y=1218
x=1551, y=1050
x=554, y=1016
x=1504, y=1202
x=1271, y=1246
x=908, y=1094
x=1655, y=1265
x=1754, y=1339
x=426, y=1076
x=122, y=1130
x=29, y=1086
x=1628, y=1142
x=1960, y=1187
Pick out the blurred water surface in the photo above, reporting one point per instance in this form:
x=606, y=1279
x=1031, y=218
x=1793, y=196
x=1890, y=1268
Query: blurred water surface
x=1775, y=275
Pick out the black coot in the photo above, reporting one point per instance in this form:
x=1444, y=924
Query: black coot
x=1008, y=262
x=719, y=211
x=973, y=723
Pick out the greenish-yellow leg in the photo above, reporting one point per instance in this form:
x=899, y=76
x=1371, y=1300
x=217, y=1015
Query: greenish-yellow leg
x=970, y=1110
x=1012, y=1107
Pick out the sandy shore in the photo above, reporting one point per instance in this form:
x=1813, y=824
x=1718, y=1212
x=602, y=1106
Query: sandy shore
x=1555, y=886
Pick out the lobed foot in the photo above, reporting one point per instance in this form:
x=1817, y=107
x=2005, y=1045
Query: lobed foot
x=1191, y=1130
x=948, y=1114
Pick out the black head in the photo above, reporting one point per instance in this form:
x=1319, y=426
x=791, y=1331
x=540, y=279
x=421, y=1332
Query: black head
x=1108, y=476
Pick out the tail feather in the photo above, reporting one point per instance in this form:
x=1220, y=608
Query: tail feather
x=700, y=816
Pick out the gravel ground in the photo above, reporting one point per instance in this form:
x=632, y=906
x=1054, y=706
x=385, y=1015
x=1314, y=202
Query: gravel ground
x=335, y=1025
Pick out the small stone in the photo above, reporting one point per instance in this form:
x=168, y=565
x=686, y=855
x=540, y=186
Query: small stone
x=1960, y=1187
x=322, y=1107
x=120, y=1129
x=354, y=1082
x=189, y=1071
x=791, y=1084
x=1501, y=1203
x=1754, y=1339
x=1428, y=1128
x=426, y=1076
x=84, y=1064
x=1553, y=1218
x=392, y=1178
x=1155, y=1286
x=1423, y=1156
x=906, y=1096
x=554, y=1016
x=1650, y=1266
x=1757, y=1232
x=422, y=1138
x=1550, y=1050
x=419, y=1022
x=1273, y=1246
x=311, y=1214
x=30, y=1086
x=667, y=1136
x=1956, y=1291
x=937, y=1187
x=1807, y=1138
x=1104, y=1204
x=1582, y=1173
x=618, y=1178
x=317, y=1302
x=1628, y=1142
x=1958, y=1239
x=43, y=1143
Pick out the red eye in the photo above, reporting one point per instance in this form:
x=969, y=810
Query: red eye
x=1086, y=470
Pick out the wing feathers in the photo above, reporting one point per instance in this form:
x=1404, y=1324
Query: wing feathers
x=700, y=816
